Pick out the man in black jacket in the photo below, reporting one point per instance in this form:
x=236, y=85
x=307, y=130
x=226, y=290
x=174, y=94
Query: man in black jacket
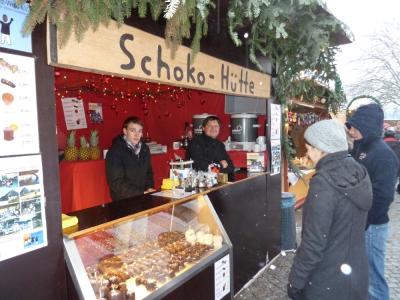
x=128, y=163
x=206, y=149
x=366, y=127
x=394, y=143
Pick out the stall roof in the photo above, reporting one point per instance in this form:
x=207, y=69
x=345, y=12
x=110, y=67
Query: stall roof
x=339, y=37
x=307, y=106
x=218, y=43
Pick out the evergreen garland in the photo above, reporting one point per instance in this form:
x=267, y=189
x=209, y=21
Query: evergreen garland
x=295, y=35
x=170, y=10
x=78, y=16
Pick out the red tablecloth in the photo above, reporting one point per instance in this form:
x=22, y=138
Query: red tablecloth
x=84, y=184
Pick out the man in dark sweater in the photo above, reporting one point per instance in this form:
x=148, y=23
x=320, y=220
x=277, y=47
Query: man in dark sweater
x=206, y=149
x=366, y=127
x=128, y=163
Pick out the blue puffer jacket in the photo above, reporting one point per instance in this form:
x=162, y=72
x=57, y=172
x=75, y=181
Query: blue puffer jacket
x=380, y=161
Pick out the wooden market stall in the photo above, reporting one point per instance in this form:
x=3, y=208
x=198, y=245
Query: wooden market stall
x=128, y=70
x=300, y=115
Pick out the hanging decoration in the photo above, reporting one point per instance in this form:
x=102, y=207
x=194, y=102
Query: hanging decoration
x=303, y=119
x=119, y=91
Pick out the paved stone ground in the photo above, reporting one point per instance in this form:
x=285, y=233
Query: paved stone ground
x=392, y=263
x=270, y=284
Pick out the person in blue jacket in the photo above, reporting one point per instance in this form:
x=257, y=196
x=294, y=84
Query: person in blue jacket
x=366, y=128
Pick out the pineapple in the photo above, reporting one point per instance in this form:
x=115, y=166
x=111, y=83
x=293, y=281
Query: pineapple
x=94, y=145
x=71, y=151
x=84, y=151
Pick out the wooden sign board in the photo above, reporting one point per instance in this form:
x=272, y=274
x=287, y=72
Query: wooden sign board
x=132, y=53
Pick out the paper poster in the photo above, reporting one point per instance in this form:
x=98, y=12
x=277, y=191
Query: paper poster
x=96, y=113
x=18, y=106
x=275, y=157
x=255, y=161
x=12, y=18
x=22, y=206
x=275, y=121
x=74, y=113
x=222, y=277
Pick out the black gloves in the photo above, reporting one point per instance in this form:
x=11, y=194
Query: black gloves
x=294, y=293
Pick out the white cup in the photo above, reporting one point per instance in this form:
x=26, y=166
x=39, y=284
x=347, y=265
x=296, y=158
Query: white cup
x=261, y=140
x=175, y=145
x=257, y=148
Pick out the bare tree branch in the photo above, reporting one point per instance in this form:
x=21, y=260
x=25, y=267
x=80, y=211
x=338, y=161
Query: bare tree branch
x=379, y=67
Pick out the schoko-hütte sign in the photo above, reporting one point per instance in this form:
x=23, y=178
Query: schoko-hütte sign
x=130, y=52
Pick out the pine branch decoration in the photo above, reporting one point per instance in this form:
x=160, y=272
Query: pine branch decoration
x=156, y=7
x=295, y=35
x=171, y=8
x=78, y=16
x=142, y=8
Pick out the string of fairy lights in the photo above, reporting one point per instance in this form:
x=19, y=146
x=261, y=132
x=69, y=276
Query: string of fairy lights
x=115, y=91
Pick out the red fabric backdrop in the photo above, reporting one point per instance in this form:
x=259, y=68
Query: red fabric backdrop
x=164, y=114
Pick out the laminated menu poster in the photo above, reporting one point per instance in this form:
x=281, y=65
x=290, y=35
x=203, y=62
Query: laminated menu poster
x=18, y=106
x=222, y=277
x=74, y=113
x=22, y=206
x=275, y=157
x=275, y=121
x=12, y=18
x=255, y=161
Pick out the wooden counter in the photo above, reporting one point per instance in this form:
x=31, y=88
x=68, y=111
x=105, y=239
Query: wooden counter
x=300, y=189
x=83, y=183
x=112, y=212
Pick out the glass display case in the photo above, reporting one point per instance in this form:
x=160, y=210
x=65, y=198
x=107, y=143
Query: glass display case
x=146, y=255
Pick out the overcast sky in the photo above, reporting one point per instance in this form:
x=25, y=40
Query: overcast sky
x=363, y=17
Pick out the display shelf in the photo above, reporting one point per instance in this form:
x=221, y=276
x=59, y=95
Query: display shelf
x=146, y=255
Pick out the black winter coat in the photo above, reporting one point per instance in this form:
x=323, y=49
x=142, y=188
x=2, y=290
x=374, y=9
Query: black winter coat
x=205, y=150
x=374, y=154
x=394, y=144
x=128, y=174
x=333, y=236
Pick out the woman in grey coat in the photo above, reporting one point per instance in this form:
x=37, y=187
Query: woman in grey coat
x=331, y=261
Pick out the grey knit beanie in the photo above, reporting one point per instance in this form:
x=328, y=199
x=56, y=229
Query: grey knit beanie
x=327, y=135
